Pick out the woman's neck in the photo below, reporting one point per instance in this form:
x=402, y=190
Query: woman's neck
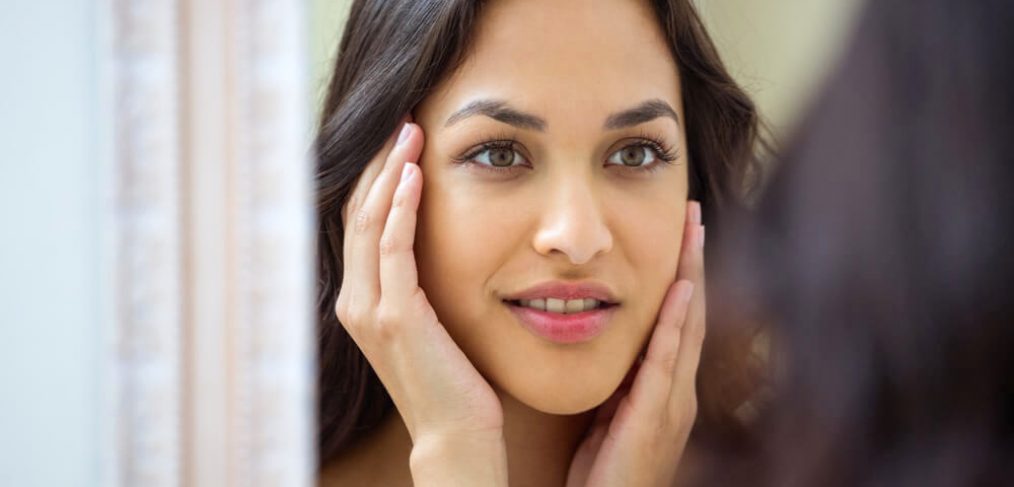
x=540, y=445
x=539, y=449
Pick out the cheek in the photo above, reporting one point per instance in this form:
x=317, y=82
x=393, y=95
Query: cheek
x=651, y=244
x=655, y=242
x=457, y=250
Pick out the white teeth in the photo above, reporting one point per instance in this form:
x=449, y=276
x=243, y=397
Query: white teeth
x=554, y=305
x=539, y=304
x=575, y=305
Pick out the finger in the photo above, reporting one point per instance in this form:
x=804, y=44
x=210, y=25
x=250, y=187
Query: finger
x=399, y=279
x=370, y=172
x=349, y=297
x=367, y=223
x=694, y=329
x=651, y=388
x=355, y=203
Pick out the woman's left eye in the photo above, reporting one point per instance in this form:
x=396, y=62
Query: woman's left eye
x=498, y=157
x=635, y=156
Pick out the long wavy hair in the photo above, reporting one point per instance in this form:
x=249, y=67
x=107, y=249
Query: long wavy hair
x=392, y=53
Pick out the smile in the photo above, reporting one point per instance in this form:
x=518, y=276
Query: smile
x=563, y=321
x=563, y=306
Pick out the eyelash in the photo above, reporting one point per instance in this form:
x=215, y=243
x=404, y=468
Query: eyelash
x=665, y=155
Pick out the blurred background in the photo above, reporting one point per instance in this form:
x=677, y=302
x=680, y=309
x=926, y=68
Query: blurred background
x=778, y=49
x=64, y=378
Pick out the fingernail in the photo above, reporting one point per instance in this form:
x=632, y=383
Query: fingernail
x=695, y=212
x=405, y=130
x=700, y=242
x=406, y=172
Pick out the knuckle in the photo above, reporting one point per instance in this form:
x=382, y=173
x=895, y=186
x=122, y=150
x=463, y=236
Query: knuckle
x=386, y=246
x=349, y=314
x=657, y=432
x=389, y=245
x=668, y=362
x=345, y=318
x=421, y=307
x=341, y=309
x=362, y=221
x=388, y=323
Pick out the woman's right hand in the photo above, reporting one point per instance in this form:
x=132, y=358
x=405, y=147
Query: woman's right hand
x=452, y=414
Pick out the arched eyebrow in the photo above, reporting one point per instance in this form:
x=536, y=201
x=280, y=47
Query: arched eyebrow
x=499, y=110
x=645, y=112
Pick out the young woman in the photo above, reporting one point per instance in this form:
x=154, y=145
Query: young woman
x=569, y=150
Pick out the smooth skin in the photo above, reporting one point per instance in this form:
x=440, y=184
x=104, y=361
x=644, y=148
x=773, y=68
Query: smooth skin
x=453, y=416
x=566, y=210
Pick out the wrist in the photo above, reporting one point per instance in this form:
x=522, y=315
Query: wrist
x=459, y=460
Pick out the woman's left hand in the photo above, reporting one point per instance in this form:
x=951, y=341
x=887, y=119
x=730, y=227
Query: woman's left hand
x=638, y=435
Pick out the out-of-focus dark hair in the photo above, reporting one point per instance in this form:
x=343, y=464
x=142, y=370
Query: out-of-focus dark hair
x=391, y=55
x=881, y=259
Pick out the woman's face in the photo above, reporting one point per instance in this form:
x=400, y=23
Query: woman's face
x=583, y=99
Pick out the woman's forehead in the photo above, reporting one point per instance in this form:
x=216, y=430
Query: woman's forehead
x=562, y=59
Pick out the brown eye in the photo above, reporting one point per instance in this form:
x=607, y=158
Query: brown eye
x=501, y=157
x=498, y=156
x=633, y=156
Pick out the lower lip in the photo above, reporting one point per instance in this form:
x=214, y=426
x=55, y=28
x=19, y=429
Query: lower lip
x=564, y=328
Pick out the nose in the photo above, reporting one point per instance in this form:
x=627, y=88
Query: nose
x=572, y=223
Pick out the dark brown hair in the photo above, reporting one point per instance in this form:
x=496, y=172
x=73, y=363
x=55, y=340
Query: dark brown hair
x=391, y=55
x=881, y=258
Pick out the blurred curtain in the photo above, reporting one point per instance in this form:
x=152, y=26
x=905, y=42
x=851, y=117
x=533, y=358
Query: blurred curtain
x=207, y=366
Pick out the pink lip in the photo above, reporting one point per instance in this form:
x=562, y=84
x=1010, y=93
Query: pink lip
x=559, y=327
x=565, y=290
x=564, y=328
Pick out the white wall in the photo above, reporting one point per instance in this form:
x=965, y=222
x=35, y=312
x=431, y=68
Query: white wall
x=780, y=50
x=89, y=400
x=326, y=20
x=49, y=300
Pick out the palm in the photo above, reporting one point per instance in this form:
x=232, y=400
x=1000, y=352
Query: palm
x=476, y=403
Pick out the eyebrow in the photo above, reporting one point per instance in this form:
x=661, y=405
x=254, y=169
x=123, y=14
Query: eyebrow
x=499, y=110
x=645, y=112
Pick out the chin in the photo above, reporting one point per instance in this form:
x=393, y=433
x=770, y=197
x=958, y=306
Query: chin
x=562, y=395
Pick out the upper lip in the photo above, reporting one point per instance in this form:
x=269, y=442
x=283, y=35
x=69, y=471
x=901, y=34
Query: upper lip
x=566, y=290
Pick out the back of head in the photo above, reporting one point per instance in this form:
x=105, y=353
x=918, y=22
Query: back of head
x=881, y=256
